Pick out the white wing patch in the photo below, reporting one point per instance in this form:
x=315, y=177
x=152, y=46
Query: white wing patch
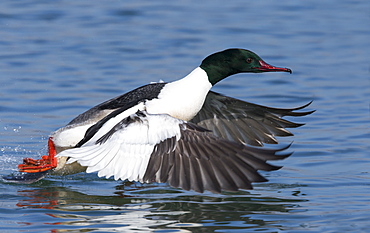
x=126, y=152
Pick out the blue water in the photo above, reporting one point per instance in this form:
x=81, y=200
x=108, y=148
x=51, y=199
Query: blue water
x=59, y=58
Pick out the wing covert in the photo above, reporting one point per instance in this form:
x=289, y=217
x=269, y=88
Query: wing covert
x=245, y=122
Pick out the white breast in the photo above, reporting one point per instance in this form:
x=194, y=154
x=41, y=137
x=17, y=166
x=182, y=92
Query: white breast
x=182, y=99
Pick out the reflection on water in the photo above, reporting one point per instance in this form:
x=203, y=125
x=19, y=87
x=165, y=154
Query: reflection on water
x=147, y=207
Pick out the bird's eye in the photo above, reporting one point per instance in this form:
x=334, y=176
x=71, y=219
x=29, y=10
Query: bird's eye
x=249, y=60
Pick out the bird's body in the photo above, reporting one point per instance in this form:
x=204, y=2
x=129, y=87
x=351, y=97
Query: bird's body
x=178, y=132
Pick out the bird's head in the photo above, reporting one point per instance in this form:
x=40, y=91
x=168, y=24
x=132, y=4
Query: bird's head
x=233, y=61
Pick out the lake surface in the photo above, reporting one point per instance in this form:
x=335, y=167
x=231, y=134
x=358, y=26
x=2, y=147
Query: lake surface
x=60, y=58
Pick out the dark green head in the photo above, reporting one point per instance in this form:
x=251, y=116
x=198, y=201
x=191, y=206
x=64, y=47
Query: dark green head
x=233, y=61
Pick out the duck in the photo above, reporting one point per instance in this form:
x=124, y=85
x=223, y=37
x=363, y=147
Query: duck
x=180, y=133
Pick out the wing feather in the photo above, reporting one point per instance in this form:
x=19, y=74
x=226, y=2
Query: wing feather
x=201, y=161
x=196, y=179
x=241, y=121
x=123, y=147
x=146, y=148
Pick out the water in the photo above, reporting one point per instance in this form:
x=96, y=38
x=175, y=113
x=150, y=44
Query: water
x=59, y=58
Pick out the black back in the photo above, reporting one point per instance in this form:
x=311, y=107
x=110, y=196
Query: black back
x=119, y=105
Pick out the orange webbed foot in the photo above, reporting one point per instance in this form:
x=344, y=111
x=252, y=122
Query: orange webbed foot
x=46, y=162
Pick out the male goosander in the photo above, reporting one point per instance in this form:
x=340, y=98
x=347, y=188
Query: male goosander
x=178, y=132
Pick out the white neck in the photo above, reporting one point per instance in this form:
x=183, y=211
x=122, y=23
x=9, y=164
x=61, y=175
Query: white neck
x=183, y=98
x=198, y=79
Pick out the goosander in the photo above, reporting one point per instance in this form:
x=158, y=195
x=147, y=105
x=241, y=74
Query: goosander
x=179, y=133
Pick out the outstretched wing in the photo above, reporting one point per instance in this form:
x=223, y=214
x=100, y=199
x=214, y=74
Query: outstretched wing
x=123, y=144
x=160, y=148
x=201, y=161
x=244, y=122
